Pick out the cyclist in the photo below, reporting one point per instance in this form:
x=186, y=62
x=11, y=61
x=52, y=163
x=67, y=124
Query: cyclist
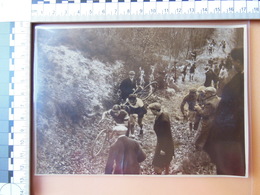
x=200, y=102
x=135, y=105
x=119, y=115
x=191, y=100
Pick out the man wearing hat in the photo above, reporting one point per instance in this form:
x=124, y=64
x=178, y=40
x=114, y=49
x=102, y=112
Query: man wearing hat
x=128, y=85
x=207, y=113
x=165, y=148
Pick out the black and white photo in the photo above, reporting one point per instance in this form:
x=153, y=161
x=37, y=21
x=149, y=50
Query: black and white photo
x=140, y=99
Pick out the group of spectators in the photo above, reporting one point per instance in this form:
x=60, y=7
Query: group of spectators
x=221, y=118
x=218, y=73
x=218, y=120
x=212, y=46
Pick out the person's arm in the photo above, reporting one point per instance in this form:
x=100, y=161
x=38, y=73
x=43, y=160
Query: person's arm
x=104, y=115
x=141, y=156
x=126, y=118
x=206, y=111
x=182, y=106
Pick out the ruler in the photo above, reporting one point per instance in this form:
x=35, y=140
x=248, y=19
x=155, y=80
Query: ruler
x=14, y=108
x=143, y=10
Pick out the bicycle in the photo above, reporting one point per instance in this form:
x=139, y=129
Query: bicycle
x=145, y=92
x=106, y=136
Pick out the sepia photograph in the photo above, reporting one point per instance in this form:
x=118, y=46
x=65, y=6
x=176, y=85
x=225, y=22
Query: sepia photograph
x=140, y=99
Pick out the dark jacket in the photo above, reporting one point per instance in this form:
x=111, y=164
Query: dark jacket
x=163, y=132
x=127, y=155
x=210, y=76
x=225, y=144
x=127, y=87
x=191, y=100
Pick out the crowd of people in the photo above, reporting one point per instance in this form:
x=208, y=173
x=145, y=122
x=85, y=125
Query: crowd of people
x=215, y=111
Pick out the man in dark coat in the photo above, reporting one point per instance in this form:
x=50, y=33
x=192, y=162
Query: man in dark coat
x=226, y=142
x=210, y=76
x=164, y=148
x=126, y=154
x=128, y=86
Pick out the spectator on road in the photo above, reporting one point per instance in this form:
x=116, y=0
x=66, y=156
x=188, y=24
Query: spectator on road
x=164, y=149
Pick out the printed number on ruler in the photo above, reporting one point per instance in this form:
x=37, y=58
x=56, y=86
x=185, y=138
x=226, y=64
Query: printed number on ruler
x=105, y=10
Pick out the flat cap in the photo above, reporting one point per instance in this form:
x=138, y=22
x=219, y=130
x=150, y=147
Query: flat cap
x=211, y=90
x=155, y=106
x=131, y=72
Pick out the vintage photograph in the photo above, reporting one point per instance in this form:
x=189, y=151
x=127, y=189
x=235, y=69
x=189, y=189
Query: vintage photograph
x=140, y=99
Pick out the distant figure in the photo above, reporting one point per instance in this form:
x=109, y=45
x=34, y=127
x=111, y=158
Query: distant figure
x=193, y=55
x=223, y=76
x=228, y=63
x=128, y=86
x=192, y=71
x=165, y=148
x=223, y=46
x=226, y=141
x=184, y=72
x=191, y=100
x=210, y=77
x=124, y=157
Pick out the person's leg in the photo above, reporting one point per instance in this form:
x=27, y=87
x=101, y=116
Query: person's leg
x=157, y=170
x=140, y=123
x=167, y=169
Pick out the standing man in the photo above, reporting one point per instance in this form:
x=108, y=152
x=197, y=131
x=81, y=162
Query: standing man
x=207, y=113
x=165, y=148
x=128, y=86
x=124, y=157
x=192, y=70
x=210, y=76
x=184, y=72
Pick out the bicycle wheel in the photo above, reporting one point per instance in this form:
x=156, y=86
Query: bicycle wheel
x=147, y=91
x=99, y=143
